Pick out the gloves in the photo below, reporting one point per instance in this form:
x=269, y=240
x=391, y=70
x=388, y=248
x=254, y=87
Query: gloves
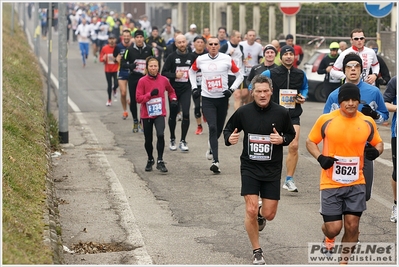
x=154, y=91
x=196, y=93
x=227, y=93
x=370, y=152
x=368, y=111
x=326, y=162
x=132, y=66
x=174, y=103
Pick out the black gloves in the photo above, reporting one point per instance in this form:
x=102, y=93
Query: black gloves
x=174, y=103
x=326, y=162
x=132, y=66
x=154, y=91
x=196, y=93
x=368, y=111
x=227, y=93
x=370, y=152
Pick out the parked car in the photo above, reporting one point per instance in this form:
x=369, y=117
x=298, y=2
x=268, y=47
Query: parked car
x=315, y=80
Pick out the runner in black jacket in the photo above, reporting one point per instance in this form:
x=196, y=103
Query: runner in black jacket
x=176, y=68
x=134, y=59
x=267, y=128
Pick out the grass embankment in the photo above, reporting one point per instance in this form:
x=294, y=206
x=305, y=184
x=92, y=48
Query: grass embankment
x=25, y=150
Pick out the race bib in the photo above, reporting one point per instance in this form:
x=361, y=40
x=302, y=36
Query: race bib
x=214, y=84
x=259, y=147
x=154, y=107
x=247, y=69
x=140, y=65
x=287, y=98
x=110, y=59
x=346, y=169
x=184, y=78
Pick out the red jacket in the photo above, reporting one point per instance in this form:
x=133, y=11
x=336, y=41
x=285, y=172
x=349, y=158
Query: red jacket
x=153, y=104
x=109, y=63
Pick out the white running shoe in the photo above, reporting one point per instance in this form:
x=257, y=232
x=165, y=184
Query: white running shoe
x=394, y=214
x=172, y=145
x=215, y=167
x=109, y=103
x=290, y=186
x=209, y=154
x=183, y=146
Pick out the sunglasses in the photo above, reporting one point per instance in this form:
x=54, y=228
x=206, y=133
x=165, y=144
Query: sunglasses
x=213, y=44
x=352, y=65
x=358, y=38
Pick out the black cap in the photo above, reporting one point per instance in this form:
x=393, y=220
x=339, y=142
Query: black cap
x=289, y=36
x=348, y=91
x=285, y=49
x=112, y=36
x=138, y=32
x=269, y=46
x=351, y=57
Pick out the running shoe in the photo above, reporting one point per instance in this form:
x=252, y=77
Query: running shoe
x=109, y=103
x=172, y=145
x=258, y=258
x=215, y=167
x=290, y=186
x=183, y=146
x=125, y=115
x=394, y=214
x=327, y=246
x=179, y=116
x=135, y=127
x=141, y=130
x=209, y=154
x=261, y=219
x=148, y=168
x=199, y=130
x=115, y=96
x=161, y=166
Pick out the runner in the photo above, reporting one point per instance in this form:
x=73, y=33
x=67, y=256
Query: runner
x=110, y=67
x=151, y=95
x=215, y=67
x=342, y=184
x=267, y=128
x=176, y=68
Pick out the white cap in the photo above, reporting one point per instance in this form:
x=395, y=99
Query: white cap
x=111, y=13
x=129, y=15
x=193, y=26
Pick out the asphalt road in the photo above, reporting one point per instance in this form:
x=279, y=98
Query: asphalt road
x=189, y=215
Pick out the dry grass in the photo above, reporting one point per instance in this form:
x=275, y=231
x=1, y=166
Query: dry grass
x=25, y=149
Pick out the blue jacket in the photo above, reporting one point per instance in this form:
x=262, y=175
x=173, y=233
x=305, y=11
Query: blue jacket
x=369, y=94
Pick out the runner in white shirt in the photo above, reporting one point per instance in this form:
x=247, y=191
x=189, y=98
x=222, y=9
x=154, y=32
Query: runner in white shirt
x=367, y=55
x=215, y=92
x=253, y=52
x=83, y=33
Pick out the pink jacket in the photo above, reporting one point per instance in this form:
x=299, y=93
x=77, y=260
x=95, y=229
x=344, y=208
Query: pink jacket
x=153, y=106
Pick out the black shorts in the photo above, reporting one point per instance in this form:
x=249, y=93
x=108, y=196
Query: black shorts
x=295, y=120
x=266, y=189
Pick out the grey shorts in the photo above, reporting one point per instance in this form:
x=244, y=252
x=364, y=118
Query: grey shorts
x=343, y=200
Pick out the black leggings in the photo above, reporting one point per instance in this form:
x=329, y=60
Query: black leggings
x=133, y=81
x=197, y=106
x=159, y=123
x=109, y=76
x=184, y=99
x=215, y=112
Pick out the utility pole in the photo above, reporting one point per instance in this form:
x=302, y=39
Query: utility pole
x=50, y=48
x=62, y=74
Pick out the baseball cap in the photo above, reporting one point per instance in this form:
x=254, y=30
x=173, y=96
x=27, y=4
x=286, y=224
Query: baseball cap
x=111, y=36
x=193, y=26
x=111, y=13
x=334, y=45
x=129, y=15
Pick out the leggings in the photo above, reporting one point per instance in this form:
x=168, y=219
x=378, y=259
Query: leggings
x=215, y=112
x=197, y=106
x=109, y=76
x=184, y=99
x=159, y=123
